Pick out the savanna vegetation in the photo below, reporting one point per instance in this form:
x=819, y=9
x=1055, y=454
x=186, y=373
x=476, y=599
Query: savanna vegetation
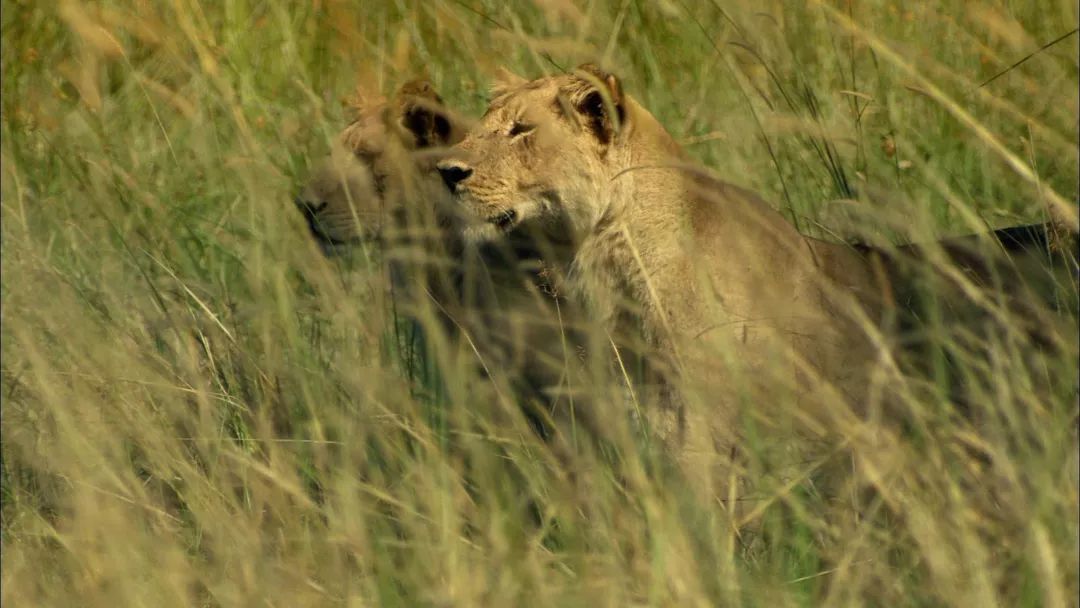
x=200, y=409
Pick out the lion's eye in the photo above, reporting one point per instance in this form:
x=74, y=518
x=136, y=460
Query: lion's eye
x=519, y=128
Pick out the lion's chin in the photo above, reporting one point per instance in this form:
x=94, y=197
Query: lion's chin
x=480, y=229
x=487, y=231
x=481, y=233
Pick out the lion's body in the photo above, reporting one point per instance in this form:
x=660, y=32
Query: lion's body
x=731, y=299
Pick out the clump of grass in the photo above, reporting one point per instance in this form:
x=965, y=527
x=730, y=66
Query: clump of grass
x=199, y=409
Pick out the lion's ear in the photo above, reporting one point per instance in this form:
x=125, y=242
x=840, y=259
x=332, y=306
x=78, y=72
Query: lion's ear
x=601, y=102
x=421, y=113
x=505, y=80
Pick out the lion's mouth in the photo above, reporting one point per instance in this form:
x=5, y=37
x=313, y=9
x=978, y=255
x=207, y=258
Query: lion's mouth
x=310, y=211
x=327, y=242
x=503, y=221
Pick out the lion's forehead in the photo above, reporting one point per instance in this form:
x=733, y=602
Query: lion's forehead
x=539, y=92
x=529, y=106
x=366, y=134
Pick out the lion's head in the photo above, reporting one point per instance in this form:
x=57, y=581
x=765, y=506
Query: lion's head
x=378, y=171
x=543, y=155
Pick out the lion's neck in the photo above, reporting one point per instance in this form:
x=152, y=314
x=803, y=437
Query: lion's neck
x=635, y=238
x=646, y=183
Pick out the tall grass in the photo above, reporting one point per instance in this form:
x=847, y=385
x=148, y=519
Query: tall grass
x=199, y=409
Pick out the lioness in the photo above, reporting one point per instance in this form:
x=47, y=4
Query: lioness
x=362, y=191
x=710, y=272
x=380, y=186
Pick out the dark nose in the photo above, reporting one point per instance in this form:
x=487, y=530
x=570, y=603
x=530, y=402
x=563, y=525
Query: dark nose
x=308, y=208
x=453, y=173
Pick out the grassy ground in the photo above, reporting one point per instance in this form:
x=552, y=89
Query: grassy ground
x=198, y=409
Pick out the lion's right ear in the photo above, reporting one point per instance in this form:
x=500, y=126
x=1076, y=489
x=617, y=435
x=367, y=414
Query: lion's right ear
x=600, y=102
x=421, y=113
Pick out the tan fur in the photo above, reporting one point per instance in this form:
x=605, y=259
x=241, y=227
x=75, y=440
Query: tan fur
x=380, y=185
x=378, y=167
x=731, y=299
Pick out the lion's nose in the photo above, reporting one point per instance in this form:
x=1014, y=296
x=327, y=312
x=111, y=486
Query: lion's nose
x=453, y=173
x=308, y=208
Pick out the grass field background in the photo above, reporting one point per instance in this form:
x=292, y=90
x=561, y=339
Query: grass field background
x=199, y=409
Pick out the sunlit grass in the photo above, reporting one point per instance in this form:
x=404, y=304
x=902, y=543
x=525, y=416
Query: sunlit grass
x=200, y=409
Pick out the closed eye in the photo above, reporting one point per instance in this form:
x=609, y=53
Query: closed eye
x=519, y=128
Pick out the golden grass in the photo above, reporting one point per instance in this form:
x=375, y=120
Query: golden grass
x=199, y=409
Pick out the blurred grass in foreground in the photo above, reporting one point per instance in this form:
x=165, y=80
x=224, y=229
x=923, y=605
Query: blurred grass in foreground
x=199, y=409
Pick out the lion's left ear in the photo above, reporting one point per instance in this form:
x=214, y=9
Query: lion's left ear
x=601, y=103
